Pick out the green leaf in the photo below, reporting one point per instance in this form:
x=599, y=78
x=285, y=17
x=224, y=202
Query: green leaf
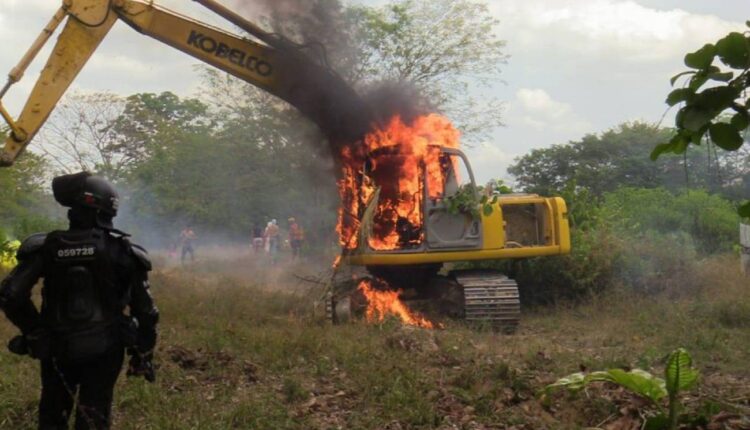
x=701, y=58
x=680, y=95
x=637, y=381
x=661, y=148
x=573, y=382
x=717, y=98
x=484, y=199
x=721, y=76
x=695, y=118
x=698, y=80
x=734, y=51
x=677, y=145
x=679, y=75
x=744, y=210
x=679, y=373
x=487, y=210
x=725, y=136
x=740, y=121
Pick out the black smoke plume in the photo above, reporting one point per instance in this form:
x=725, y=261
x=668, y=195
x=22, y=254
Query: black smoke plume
x=321, y=43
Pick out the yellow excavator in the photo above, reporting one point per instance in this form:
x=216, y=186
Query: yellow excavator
x=518, y=226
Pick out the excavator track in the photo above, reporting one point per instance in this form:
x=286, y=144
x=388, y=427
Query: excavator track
x=490, y=297
x=479, y=296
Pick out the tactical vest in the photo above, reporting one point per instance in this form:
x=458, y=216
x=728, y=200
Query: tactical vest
x=81, y=285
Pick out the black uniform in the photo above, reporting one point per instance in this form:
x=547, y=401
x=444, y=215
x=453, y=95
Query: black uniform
x=91, y=274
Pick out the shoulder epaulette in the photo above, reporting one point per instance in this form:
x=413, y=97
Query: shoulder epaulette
x=141, y=255
x=31, y=245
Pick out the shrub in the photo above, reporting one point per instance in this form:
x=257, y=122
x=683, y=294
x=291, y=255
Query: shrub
x=710, y=220
x=8, y=248
x=31, y=224
x=590, y=268
x=643, y=240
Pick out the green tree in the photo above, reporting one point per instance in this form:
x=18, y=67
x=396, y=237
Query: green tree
x=150, y=121
x=714, y=97
x=448, y=49
x=602, y=163
x=251, y=166
x=27, y=208
x=110, y=135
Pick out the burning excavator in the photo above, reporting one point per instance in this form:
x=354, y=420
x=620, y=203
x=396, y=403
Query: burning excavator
x=410, y=205
x=409, y=200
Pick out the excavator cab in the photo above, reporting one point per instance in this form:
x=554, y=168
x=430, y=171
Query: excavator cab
x=443, y=229
x=447, y=219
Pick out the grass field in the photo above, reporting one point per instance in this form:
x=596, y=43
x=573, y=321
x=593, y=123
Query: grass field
x=240, y=349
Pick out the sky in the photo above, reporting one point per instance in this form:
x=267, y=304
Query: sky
x=576, y=66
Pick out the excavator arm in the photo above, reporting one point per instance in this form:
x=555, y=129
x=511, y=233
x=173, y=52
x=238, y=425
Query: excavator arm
x=276, y=66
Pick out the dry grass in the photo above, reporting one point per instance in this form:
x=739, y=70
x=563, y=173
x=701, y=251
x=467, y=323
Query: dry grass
x=240, y=349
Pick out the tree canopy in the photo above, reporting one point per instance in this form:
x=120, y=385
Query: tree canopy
x=444, y=48
x=618, y=158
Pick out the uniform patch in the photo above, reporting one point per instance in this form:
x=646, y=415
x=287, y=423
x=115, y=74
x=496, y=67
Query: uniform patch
x=74, y=252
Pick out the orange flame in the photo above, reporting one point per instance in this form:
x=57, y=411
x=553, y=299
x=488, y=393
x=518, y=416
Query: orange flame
x=383, y=303
x=402, y=159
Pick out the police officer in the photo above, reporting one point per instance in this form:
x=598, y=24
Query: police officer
x=91, y=274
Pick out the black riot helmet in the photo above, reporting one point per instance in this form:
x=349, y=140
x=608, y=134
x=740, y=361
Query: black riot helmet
x=84, y=190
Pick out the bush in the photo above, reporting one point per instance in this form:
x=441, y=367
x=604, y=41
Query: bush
x=710, y=220
x=32, y=224
x=589, y=269
x=8, y=248
x=642, y=240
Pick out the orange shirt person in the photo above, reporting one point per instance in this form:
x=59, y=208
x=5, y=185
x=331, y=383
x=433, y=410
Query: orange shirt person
x=296, y=237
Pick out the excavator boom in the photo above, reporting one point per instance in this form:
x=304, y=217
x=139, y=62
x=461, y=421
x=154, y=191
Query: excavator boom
x=275, y=66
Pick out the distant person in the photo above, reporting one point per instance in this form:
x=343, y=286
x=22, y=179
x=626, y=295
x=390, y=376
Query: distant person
x=91, y=273
x=257, y=238
x=187, y=239
x=272, y=237
x=296, y=237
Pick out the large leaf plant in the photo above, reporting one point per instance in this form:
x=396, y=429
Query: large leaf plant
x=679, y=376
